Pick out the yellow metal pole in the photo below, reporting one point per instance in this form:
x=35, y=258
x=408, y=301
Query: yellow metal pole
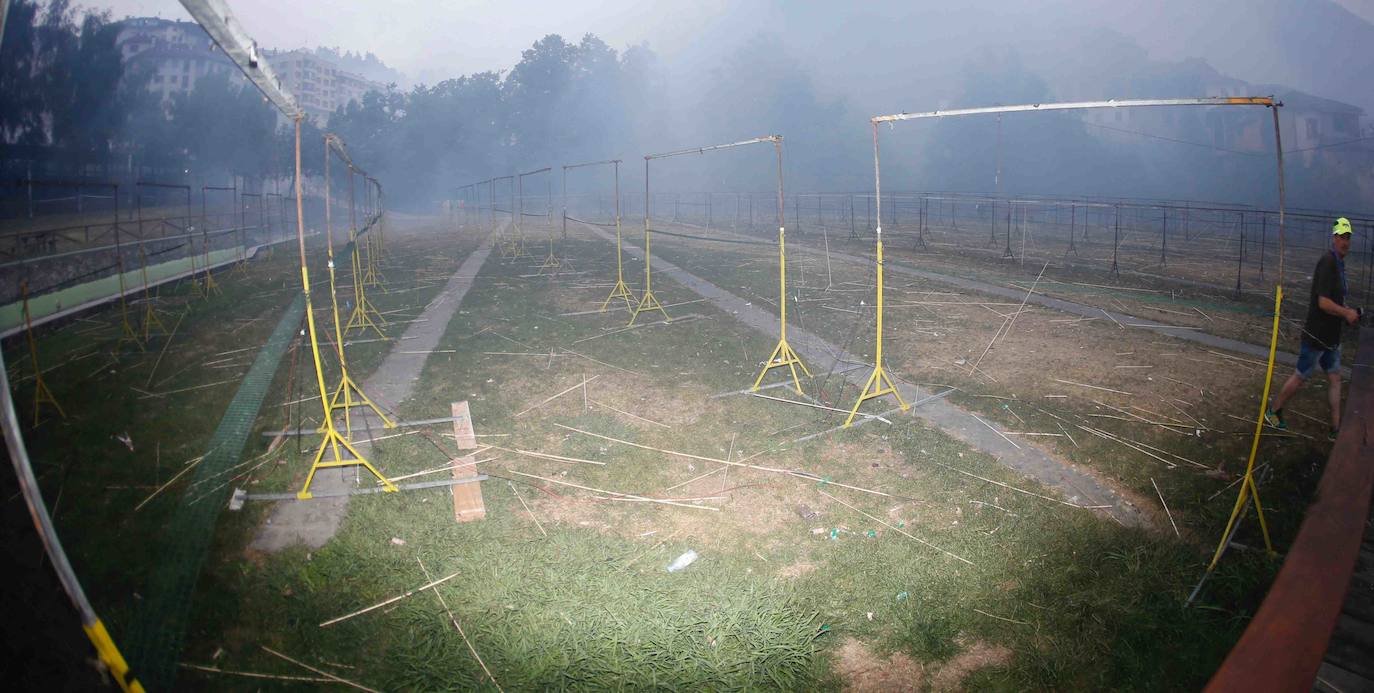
x=620, y=290
x=331, y=441
x=41, y=394
x=782, y=355
x=879, y=382
x=364, y=314
x=127, y=331
x=347, y=385
x=648, y=301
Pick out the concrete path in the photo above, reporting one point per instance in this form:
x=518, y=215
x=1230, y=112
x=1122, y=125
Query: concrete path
x=1076, y=487
x=314, y=522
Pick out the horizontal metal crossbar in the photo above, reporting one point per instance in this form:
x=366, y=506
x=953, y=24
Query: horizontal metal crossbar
x=1078, y=105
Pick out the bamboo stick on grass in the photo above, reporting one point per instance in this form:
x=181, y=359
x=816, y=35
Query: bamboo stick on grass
x=392, y=600
x=918, y=540
x=321, y=672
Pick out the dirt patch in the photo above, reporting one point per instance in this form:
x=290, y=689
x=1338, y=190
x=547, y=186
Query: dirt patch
x=980, y=655
x=864, y=671
x=797, y=570
x=637, y=395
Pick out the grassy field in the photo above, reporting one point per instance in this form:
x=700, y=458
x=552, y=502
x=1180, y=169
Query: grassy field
x=138, y=417
x=877, y=558
x=944, y=580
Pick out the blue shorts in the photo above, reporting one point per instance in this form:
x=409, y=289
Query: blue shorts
x=1310, y=356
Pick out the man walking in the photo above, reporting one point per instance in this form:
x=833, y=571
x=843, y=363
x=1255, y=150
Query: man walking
x=1321, y=334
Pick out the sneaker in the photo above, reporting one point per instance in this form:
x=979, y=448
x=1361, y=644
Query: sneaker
x=1333, y=434
x=1275, y=419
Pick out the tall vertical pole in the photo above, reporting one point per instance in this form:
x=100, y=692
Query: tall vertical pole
x=243, y=220
x=1164, y=240
x=783, y=355
x=646, y=227
x=879, y=383
x=782, y=253
x=648, y=302
x=1278, y=148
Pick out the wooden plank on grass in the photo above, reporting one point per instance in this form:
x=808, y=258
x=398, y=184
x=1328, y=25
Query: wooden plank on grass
x=468, y=505
x=462, y=426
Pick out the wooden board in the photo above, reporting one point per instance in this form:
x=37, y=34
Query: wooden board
x=468, y=505
x=462, y=426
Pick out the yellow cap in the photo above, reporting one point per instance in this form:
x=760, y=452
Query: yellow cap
x=1341, y=227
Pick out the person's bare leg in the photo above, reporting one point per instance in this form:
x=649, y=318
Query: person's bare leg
x=1290, y=388
x=1333, y=396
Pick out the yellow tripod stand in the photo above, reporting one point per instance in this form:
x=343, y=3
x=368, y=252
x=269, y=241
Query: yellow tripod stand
x=783, y=355
x=648, y=302
x=879, y=383
x=620, y=290
x=333, y=442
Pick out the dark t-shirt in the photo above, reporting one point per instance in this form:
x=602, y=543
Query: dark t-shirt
x=1323, y=330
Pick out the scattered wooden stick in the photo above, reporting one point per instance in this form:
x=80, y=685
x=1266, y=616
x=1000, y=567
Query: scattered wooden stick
x=255, y=675
x=1094, y=387
x=584, y=382
x=1002, y=618
x=392, y=600
x=166, y=344
x=1166, y=507
x=1141, y=447
x=1109, y=317
x=696, y=478
x=895, y=529
x=614, y=493
x=527, y=508
x=321, y=672
x=994, y=430
x=151, y=395
x=818, y=406
x=633, y=416
x=163, y=487
x=790, y=472
x=454, y=619
x=675, y=500
x=549, y=456
x=602, y=363
x=445, y=468
x=1019, y=490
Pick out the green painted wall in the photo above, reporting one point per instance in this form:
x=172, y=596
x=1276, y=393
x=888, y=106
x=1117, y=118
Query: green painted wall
x=12, y=315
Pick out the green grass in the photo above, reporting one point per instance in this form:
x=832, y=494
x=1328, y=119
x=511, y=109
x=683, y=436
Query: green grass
x=1087, y=603
x=1079, y=601
x=91, y=480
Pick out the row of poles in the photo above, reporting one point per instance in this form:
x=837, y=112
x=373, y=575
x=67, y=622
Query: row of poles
x=880, y=382
x=224, y=29
x=783, y=355
x=151, y=324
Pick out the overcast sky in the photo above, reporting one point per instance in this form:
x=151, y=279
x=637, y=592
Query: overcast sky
x=430, y=41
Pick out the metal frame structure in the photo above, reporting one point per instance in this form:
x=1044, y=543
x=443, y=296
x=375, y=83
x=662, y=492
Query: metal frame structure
x=649, y=302
x=223, y=27
x=517, y=242
x=783, y=355
x=506, y=243
x=343, y=397
x=620, y=290
x=880, y=383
